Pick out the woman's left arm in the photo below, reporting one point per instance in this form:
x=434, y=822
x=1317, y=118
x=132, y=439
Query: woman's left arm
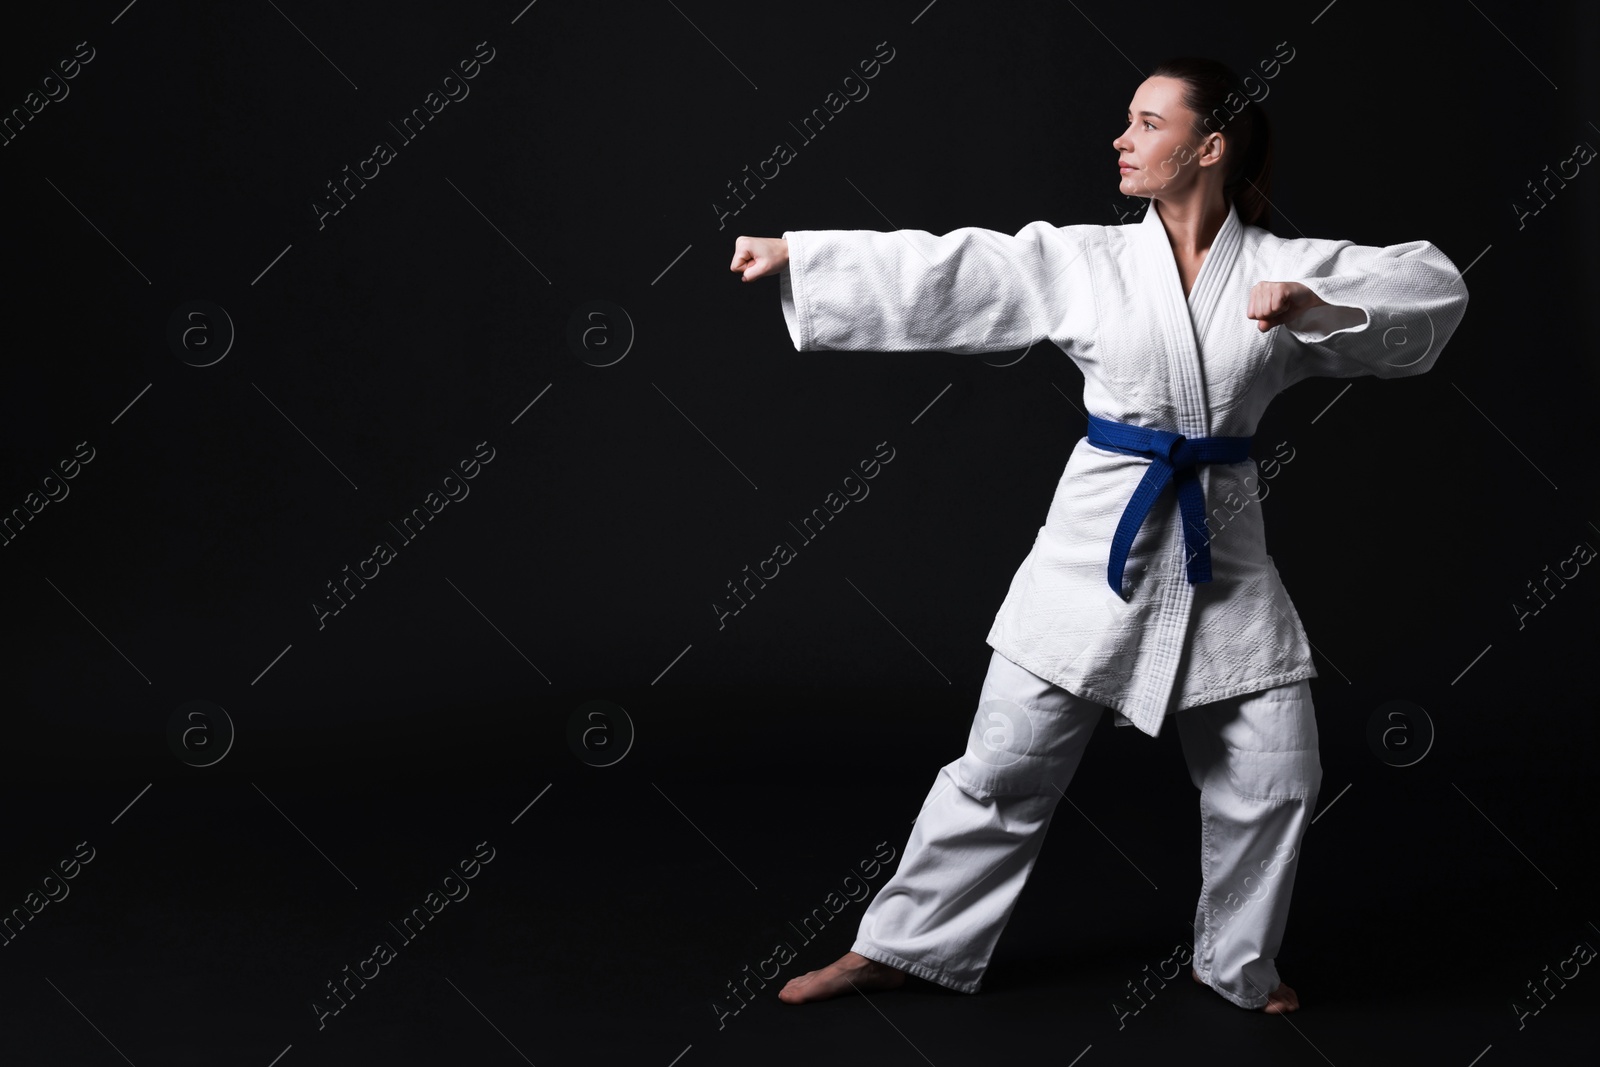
x=1349, y=309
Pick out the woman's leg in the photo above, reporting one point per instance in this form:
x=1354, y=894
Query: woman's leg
x=1254, y=759
x=974, y=843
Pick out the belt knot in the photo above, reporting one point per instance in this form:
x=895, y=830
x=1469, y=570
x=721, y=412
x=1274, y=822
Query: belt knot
x=1172, y=459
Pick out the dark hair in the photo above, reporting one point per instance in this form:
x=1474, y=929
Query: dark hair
x=1215, y=95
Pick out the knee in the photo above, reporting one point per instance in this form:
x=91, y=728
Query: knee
x=1276, y=776
x=1006, y=753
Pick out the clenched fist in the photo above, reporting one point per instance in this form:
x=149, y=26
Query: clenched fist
x=1273, y=302
x=757, y=257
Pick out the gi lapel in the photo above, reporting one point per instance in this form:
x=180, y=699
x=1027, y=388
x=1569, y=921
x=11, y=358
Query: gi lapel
x=1152, y=691
x=1181, y=320
x=1206, y=296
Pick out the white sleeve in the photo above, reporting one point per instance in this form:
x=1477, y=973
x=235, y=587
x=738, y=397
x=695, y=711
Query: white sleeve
x=969, y=291
x=1389, y=310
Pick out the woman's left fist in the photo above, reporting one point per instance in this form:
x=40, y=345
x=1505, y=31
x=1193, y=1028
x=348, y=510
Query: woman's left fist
x=1273, y=302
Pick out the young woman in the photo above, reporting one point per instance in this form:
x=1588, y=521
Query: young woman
x=1185, y=325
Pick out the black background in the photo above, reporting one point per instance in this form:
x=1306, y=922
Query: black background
x=775, y=753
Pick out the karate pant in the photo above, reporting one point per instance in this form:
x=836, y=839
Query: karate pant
x=1253, y=757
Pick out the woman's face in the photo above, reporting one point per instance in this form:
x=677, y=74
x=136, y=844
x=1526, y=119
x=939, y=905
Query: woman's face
x=1157, y=152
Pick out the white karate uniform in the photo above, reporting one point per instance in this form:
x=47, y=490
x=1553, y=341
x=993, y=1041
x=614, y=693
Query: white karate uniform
x=1065, y=646
x=1111, y=299
x=1254, y=758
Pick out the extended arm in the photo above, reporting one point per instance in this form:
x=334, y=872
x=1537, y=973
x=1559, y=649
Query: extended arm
x=971, y=290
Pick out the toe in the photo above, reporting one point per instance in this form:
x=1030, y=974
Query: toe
x=1281, y=1000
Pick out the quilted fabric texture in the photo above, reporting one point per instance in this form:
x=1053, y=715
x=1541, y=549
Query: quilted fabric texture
x=1110, y=298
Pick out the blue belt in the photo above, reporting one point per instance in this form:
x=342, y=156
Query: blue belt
x=1172, y=457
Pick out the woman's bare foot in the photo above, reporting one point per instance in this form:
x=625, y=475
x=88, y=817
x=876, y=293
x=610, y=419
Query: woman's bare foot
x=1279, y=1000
x=851, y=969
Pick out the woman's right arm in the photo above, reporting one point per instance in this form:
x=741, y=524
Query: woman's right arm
x=971, y=290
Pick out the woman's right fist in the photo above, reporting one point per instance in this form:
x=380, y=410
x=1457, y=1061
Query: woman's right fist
x=757, y=257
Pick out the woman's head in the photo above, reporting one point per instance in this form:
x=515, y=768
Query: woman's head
x=1191, y=131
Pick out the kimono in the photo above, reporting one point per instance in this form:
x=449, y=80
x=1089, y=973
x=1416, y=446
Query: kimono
x=1110, y=297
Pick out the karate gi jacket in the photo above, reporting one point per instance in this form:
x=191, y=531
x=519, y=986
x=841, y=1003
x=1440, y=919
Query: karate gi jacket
x=1110, y=297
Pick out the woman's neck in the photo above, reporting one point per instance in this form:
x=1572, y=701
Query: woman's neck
x=1191, y=224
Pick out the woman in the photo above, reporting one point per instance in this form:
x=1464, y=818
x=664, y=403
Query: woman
x=1126, y=601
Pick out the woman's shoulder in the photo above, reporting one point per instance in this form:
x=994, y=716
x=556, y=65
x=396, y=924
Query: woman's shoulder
x=1284, y=252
